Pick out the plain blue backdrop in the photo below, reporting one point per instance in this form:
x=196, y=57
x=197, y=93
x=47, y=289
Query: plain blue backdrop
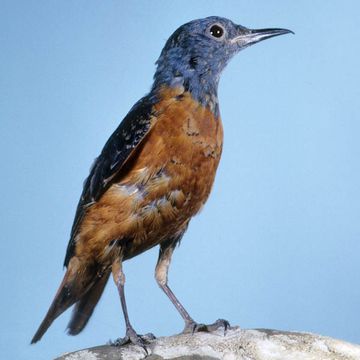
x=276, y=246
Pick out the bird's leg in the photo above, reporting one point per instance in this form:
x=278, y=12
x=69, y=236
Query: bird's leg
x=131, y=335
x=161, y=276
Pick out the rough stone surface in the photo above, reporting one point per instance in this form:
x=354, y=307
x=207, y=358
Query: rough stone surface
x=237, y=344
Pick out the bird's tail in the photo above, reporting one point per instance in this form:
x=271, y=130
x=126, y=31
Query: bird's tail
x=79, y=284
x=86, y=305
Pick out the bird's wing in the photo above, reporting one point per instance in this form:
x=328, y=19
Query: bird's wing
x=115, y=153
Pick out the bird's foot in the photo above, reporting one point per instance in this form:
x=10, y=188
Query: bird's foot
x=132, y=337
x=192, y=327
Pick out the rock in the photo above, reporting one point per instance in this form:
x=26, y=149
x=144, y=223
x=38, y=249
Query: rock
x=237, y=344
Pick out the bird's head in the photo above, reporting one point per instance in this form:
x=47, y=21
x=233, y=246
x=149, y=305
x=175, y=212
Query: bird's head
x=197, y=52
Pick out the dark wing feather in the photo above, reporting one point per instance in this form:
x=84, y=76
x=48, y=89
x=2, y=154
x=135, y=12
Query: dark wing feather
x=116, y=151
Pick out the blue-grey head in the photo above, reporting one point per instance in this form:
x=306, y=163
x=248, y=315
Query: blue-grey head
x=197, y=52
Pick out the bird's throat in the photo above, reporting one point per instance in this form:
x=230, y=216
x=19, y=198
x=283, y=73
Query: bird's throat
x=193, y=75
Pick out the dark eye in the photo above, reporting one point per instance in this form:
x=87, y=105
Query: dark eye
x=217, y=31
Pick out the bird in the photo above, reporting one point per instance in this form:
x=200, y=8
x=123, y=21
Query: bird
x=153, y=175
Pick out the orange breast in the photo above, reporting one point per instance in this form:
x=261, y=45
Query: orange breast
x=162, y=186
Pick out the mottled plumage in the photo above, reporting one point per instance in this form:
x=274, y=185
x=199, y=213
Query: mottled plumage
x=154, y=173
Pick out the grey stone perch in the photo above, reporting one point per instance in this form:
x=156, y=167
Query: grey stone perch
x=238, y=344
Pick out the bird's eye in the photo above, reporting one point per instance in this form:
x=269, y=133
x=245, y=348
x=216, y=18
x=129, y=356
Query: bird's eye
x=217, y=31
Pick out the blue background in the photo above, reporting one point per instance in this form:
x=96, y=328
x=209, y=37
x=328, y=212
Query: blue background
x=276, y=246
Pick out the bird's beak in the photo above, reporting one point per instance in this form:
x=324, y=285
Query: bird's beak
x=249, y=37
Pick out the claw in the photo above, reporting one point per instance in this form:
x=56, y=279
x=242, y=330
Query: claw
x=193, y=327
x=132, y=337
x=219, y=323
x=149, y=337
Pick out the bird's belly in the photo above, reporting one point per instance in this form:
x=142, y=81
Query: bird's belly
x=163, y=206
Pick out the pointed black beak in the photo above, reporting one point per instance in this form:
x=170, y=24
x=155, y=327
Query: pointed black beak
x=249, y=37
